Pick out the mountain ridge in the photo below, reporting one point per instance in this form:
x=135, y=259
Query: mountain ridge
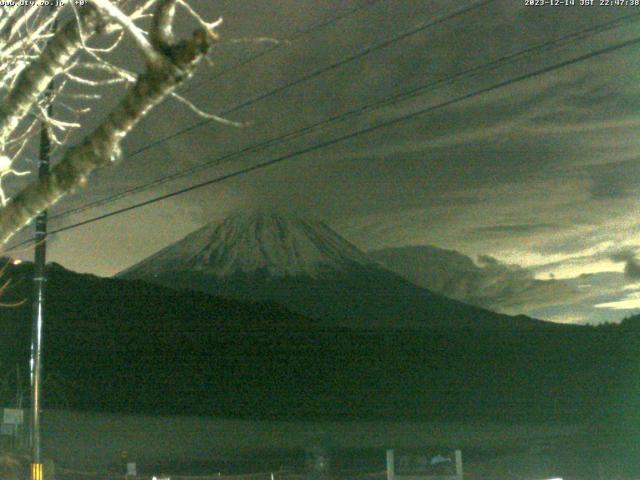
x=244, y=242
x=336, y=282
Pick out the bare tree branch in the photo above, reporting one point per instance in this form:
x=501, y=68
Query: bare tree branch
x=31, y=57
x=35, y=78
x=162, y=25
x=102, y=146
x=208, y=116
x=127, y=23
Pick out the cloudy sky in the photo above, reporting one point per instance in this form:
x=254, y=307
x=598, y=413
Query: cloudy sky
x=534, y=182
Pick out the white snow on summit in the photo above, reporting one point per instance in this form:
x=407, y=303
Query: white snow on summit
x=255, y=241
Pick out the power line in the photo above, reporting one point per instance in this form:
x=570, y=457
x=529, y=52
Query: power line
x=296, y=36
x=469, y=73
x=315, y=73
x=301, y=33
x=362, y=53
x=351, y=135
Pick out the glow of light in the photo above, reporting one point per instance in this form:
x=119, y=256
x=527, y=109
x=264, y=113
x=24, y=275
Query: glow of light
x=16, y=261
x=571, y=269
x=630, y=302
x=565, y=318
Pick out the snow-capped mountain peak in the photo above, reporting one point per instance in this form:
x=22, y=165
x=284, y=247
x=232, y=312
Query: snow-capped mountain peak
x=265, y=241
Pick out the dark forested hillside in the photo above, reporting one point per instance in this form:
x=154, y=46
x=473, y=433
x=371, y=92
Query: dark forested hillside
x=129, y=346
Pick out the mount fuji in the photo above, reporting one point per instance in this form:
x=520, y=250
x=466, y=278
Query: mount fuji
x=260, y=241
x=264, y=256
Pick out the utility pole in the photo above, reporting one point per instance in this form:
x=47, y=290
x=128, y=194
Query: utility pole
x=39, y=282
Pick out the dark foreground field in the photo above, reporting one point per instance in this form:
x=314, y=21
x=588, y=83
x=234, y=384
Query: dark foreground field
x=81, y=442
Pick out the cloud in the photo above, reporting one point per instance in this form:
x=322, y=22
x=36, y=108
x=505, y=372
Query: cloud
x=632, y=264
x=512, y=289
x=489, y=283
x=632, y=269
x=622, y=255
x=516, y=229
x=614, y=180
x=632, y=303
